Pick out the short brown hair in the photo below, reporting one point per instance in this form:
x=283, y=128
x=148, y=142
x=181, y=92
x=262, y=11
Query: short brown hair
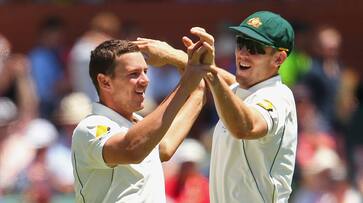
x=103, y=58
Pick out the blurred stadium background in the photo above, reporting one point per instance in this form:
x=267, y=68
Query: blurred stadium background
x=44, y=93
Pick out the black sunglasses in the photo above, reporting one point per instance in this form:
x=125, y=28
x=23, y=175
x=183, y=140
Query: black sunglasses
x=252, y=46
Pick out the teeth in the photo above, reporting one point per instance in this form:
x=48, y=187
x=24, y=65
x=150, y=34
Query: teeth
x=244, y=65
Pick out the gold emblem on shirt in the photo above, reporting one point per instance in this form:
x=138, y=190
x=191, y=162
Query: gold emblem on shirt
x=266, y=104
x=102, y=130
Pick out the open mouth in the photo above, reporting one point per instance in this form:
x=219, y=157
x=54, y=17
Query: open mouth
x=141, y=92
x=243, y=66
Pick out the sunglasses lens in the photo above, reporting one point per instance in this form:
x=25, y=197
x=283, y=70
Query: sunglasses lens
x=240, y=42
x=260, y=49
x=251, y=46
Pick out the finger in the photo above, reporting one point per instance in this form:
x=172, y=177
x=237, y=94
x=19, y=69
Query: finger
x=208, y=56
x=203, y=35
x=195, y=46
x=195, y=57
x=208, y=77
x=187, y=41
x=144, y=39
x=208, y=47
x=191, y=49
x=143, y=47
x=198, y=28
x=140, y=43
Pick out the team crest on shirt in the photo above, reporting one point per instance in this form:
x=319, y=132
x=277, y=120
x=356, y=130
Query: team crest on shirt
x=102, y=130
x=266, y=104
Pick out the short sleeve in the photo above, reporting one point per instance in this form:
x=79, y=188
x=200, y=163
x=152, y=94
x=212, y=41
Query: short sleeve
x=88, y=141
x=269, y=112
x=272, y=109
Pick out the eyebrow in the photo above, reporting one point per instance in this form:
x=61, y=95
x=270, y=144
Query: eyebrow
x=137, y=68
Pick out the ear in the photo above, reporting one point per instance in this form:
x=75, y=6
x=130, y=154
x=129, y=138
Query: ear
x=279, y=58
x=104, y=82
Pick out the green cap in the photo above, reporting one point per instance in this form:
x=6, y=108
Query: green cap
x=268, y=28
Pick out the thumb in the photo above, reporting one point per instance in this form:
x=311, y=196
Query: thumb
x=187, y=42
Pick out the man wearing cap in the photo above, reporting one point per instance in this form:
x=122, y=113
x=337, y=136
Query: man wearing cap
x=254, y=143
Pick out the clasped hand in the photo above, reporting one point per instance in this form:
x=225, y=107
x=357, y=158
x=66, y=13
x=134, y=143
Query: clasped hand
x=201, y=54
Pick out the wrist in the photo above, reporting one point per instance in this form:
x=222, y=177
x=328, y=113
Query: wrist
x=213, y=78
x=180, y=60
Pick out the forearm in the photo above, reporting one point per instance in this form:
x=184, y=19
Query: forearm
x=181, y=125
x=142, y=138
x=160, y=53
x=227, y=76
x=179, y=59
x=153, y=127
x=238, y=118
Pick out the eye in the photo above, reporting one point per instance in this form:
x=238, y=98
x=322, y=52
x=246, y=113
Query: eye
x=145, y=71
x=134, y=74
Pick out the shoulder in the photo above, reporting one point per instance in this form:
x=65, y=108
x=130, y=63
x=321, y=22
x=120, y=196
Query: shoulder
x=90, y=127
x=277, y=92
x=277, y=99
x=95, y=119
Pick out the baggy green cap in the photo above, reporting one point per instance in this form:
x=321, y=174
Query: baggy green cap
x=268, y=28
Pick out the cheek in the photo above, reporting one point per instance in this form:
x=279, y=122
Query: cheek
x=263, y=65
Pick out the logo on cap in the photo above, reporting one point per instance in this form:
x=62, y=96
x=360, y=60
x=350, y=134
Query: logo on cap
x=254, y=22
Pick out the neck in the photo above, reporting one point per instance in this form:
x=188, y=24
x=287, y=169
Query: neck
x=247, y=86
x=128, y=115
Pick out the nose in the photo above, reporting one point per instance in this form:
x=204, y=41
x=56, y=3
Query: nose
x=144, y=80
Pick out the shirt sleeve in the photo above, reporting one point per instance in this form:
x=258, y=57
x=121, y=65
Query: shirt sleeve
x=89, y=139
x=272, y=109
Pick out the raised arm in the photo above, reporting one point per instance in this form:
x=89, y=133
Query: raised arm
x=139, y=141
x=182, y=123
x=160, y=53
x=242, y=121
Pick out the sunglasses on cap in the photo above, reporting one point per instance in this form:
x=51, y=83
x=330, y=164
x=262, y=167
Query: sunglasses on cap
x=253, y=47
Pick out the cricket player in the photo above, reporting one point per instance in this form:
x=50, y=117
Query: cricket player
x=116, y=153
x=254, y=142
